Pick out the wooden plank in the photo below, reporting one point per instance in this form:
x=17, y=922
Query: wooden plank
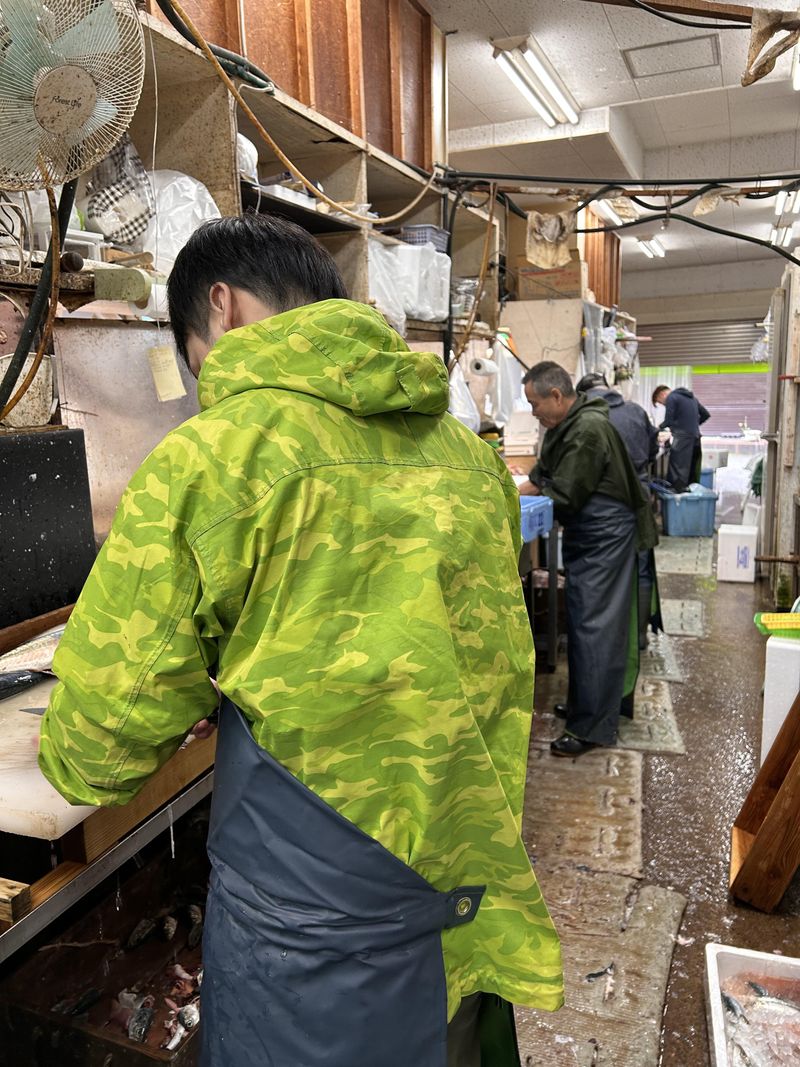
x=415, y=79
x=396, y=77
x=741, y=841
x=217, y=20
x=106, y=826
x=305, y=53
x=15, y=900
x=51, y=883
x=14, y=636
x=355, y=52
x=377, y=72
x=697, y=8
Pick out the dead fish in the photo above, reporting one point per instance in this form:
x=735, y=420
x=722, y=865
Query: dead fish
x=141, y=1021
x=734, y=1007
x=14, y=682
x=35, y=655
x=86, y=1001
x=195, y=925
x=759, y=990
x=199, y=978
x=178, y=1033
x=168, y=927
x=189, y=1016
x=141, y=932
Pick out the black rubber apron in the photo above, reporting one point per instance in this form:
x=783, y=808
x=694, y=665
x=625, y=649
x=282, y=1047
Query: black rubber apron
x=321, y=948
x=601, y=563
x=685, y=459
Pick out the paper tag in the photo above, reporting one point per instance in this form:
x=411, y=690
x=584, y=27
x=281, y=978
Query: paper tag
x=167, y=379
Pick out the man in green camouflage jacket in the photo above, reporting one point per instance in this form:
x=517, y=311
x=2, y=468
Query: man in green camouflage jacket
x=342, y=554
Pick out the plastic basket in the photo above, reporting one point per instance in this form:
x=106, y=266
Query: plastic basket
x=688, y=514
x=425, y=234
x=537, y=516
x=707, y=478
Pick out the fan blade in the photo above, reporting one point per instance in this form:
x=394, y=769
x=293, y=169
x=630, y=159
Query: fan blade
x=31, y=47
x=104, y=113
x=19, y=140
x=98, y=32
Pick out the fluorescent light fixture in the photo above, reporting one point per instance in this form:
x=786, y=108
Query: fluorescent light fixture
x=538, y=70
x=780, y=202
x=773, y=235
x=785, y=237
x=787, y=203
x=652, y=247
x=521, y=62
x=796, y=204
x=520, y=83
x=606, y=212
x=796, y=69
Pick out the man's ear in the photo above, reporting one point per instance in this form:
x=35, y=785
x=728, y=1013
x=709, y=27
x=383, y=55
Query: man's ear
x=222, y=305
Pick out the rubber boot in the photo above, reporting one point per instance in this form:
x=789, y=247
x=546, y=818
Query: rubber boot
x=645, y=611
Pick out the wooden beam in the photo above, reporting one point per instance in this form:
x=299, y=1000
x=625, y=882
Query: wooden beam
x=396, y=77
x=698, y=8
x=15, y=900
x=304, y=45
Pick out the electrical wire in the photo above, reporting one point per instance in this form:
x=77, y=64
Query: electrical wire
x=670, y=217
x=55, y=256
x=481, y=284
x=688, y=22
x=453, y=176
x=282, y=157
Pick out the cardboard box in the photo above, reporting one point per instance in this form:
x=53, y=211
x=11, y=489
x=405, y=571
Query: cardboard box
x=521, y=434
x=736, y=561
x=563, y=283
x=723, y=963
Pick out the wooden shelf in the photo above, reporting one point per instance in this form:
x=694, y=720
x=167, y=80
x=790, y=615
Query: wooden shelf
x=308, y=217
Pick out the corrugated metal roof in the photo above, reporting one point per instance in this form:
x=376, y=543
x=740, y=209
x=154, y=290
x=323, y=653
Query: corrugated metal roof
x=697, y=342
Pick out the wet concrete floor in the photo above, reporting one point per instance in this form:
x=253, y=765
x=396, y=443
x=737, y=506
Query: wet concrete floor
x=690, y=801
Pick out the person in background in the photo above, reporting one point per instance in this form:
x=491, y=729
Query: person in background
x=640, y=436
x=683, y=417
x=342, y=553
x=586, y=471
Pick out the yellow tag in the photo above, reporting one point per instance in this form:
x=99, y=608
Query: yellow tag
x=163, y=362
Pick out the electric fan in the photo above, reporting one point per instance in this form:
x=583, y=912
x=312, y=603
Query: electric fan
x=71, y=74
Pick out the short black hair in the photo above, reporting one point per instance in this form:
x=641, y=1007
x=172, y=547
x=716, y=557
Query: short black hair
x=594, y=380
x=275, y=260
x=549, y=375
x=659, y=389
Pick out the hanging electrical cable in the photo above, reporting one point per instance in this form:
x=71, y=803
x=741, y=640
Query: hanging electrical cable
x=484, y=270
x=688, y=22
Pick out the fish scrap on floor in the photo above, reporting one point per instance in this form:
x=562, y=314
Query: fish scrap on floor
x=141, y=1020
x=762, y=1020
x=14, y=682
x=140, y=933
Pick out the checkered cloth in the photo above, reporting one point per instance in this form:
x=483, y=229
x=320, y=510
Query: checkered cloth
x=121, y=201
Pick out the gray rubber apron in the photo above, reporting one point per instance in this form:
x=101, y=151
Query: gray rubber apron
x=321, y=948
x=601, y=562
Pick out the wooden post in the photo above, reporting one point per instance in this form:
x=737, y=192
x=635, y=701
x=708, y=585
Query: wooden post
x=15, y=900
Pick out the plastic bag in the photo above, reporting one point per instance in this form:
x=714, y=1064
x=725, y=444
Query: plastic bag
x=182, y=204
x=384, y=288
x=462, y=405
x=120, y=202
x=423, y=279
x=246, y=159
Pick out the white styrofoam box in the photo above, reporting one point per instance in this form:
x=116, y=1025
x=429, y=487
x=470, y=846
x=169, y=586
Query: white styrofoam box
x=714, y=457
x=736, y=559
x=751, y=516
x=521, y=434
x=724, y=962
x=781, y=686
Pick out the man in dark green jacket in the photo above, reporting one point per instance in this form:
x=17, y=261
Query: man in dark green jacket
x=585, y=469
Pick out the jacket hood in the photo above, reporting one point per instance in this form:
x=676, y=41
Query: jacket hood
x=680, y=391
x=611, y=397
x=338, y=350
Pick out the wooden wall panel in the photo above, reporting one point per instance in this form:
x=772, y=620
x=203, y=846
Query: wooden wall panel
x=217, y=20
x=415, y=91
x=605, y=264
x=378, y=71
x=336, y=43
x=277, y=41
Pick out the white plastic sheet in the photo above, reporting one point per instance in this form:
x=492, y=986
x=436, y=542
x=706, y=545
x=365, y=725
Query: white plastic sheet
x=462, y=404
x=182, y=204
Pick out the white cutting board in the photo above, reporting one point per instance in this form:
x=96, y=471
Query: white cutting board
x=29, y=805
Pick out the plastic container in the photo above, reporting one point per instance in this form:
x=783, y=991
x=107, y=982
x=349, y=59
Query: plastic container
x=688, y=514
x=537, y=516
x=425, y=234
x=723, y=963
x=707, y=478
x=781, y=684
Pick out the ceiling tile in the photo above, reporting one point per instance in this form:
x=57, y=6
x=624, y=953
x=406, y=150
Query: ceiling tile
x=704, y=109
x=767, y=154
x=462, y=112
x=691, y=81
x=673, y=57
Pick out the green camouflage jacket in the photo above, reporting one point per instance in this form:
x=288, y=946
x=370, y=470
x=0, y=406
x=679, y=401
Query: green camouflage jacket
x=345, y=553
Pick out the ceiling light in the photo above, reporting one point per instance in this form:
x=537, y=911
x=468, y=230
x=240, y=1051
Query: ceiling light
x=523, y=63
x=606, y=212
x=520, y=83
x=652, y=247
x=645, y=247
x=657, y=247
x=780, y=202
x=785, y=237
x=796, y=68
x=773, y=235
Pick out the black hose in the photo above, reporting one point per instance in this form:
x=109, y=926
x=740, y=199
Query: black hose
x=688, y=22
x=232, y=61
x=452, y=176
x=38, y=308
x=447, y=341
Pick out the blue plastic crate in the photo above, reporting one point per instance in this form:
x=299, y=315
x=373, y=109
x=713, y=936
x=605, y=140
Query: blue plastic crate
x=688, y=514
x=707, y=478
x=537, y=516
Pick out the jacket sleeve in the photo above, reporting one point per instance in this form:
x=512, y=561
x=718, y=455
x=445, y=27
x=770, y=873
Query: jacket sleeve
x=132, y=663
x=704, y=413
x=670, y=412
x=576, y=472
x=652, y=432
